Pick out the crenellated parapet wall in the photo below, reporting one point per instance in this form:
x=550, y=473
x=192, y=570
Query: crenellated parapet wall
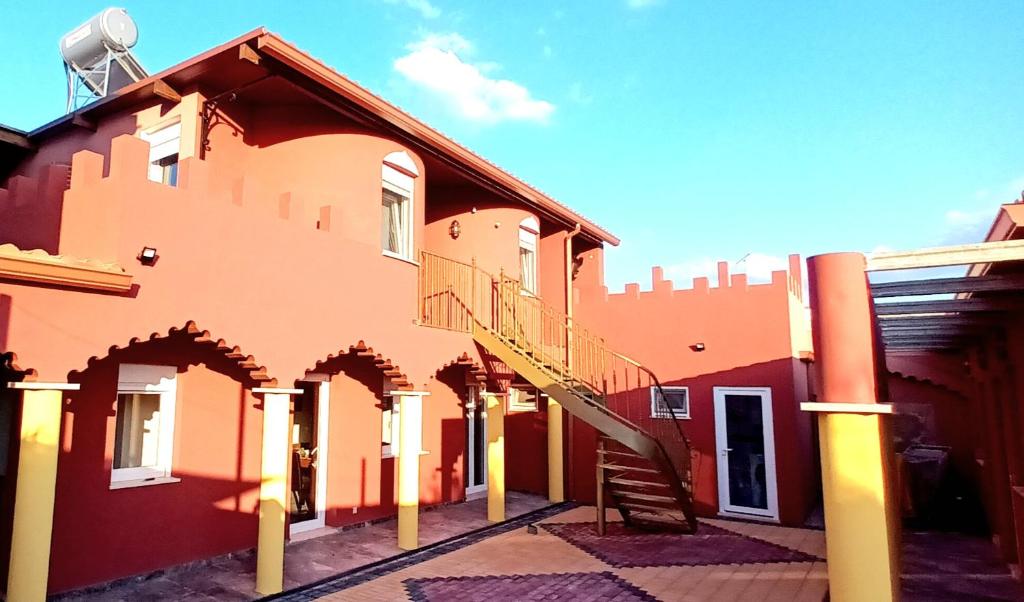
x=289, y=274
x=30, y=208
x=104, y=190
x=790, y=280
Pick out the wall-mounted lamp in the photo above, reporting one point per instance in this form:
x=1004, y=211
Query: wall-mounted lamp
x=454, y=230
x=148, y=256
x=697, y=347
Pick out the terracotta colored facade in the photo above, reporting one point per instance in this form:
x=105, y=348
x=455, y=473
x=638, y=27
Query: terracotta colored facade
x=269, y=271
x=753, y=335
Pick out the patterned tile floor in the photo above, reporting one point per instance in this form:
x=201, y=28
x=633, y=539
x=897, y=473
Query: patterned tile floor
x=564, y=560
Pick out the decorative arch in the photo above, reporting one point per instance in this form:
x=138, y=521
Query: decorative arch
x=401, y=161
x=474, y=369
x=361, y=349
x=198, y=336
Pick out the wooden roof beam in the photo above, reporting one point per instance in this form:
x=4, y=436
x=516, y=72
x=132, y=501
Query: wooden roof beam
x=935, y=286
x=934, y=257
x=950, y=305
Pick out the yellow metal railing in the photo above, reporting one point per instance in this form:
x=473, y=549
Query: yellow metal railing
x=461, y=296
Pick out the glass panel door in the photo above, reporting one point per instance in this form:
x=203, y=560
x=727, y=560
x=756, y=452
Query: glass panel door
x=746, y=451
x=476, y=443
x=305, y=436
x=744, y=427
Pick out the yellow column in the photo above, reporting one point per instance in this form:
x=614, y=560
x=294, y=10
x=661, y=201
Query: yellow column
x=495, y=456
x=37, y=478
x=860, y=514
x=273, y=489
x=556, y=461
x=410, y=445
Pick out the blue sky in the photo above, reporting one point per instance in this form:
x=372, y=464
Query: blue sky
x=694, y=130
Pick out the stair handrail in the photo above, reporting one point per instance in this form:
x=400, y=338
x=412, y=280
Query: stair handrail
x=506, y=300
x=661, y=391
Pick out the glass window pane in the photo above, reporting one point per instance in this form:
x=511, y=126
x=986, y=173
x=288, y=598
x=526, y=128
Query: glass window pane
x=745, y=438
x=676, y=400
x=137, y=435
x=393, y=218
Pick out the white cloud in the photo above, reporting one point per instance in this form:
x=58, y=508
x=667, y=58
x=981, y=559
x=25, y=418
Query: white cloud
x=435, y=64
x=423, y=7
x=971, y=222
x=757, y=266
x=639, y=4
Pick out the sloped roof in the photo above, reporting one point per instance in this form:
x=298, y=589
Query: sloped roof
x=286, y=57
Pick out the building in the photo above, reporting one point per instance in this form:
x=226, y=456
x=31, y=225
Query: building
x=240, y=298
x=734, y=361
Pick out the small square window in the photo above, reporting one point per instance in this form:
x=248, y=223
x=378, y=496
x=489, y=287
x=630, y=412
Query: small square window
x=144, y=422
x=674, y=404
x=164, y=147
x=523, y=400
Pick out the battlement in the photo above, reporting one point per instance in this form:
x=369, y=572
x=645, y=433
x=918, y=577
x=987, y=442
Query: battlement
x=662, y=288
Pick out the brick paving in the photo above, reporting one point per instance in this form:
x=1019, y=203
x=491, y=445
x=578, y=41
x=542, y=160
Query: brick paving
x=564, y=586
x=765, y=563
x=622, y=548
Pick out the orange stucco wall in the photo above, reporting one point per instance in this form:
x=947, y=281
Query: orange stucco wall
x=271, y=243
x=101, y=534
x=748, y=334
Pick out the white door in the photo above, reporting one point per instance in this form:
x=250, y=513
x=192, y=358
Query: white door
x=746, y=452
x=310, y=451
x=476, y=445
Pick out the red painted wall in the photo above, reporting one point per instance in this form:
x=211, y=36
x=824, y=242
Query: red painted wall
x=753, y=335
x=526, y=452
x=100, y=534
x=273, y=244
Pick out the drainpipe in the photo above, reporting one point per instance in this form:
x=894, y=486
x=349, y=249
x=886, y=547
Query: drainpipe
x=556, y=456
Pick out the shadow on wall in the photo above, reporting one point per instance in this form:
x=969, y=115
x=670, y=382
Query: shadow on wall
x=10, y=428
x=799, y=485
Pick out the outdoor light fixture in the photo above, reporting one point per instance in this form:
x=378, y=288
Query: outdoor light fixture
x=147, y=256
x=697, y=346
x=455, y=229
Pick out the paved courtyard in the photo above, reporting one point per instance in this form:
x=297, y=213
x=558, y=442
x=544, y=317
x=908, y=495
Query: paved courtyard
x=564, y=559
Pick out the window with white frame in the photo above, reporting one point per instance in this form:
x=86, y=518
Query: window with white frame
x=390, y=423
x=398, y=174
x=164, y=146
x=529, y=232
x=522, y=399
x=144, y=431
x=674, y=404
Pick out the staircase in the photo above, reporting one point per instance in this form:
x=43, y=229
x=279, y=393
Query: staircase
x=643, y=470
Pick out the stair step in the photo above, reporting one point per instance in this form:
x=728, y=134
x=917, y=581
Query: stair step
x=646, y=508
x=644, y=497
x=619, y=453
x=621, y=467
x=635, y=483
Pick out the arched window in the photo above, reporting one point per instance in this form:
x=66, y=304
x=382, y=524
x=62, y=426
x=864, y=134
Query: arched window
x=529, y=233
x=398, y=174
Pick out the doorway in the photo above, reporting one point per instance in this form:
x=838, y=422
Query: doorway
x=476, y=444
x=745, y=444
x=308, y=495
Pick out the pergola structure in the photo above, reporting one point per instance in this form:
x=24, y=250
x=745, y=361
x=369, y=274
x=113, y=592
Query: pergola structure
x=976, y=308
x=855, y=324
